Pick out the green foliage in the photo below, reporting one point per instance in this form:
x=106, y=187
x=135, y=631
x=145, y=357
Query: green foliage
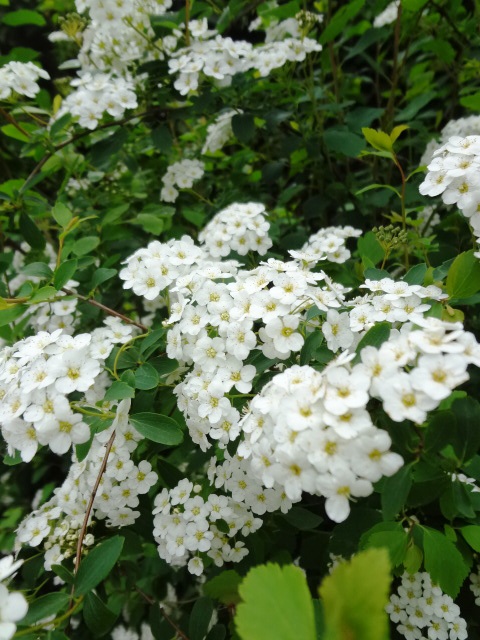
x=98, y=564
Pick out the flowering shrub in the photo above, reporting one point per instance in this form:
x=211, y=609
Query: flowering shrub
x=238, y=320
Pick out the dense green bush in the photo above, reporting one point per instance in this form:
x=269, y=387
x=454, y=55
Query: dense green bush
x=239, y=286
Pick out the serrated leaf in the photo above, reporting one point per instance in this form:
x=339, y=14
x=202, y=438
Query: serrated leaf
x=355, y=595
x=276, y=605
x=119, y=390
x=45, y=606
x=157, y=427
x=463, y=279
x=393, y=538
x=443, y=561
x=224, y=587
x=98, y=617
x=378, y=139
x=98, y=564
x=64, y=273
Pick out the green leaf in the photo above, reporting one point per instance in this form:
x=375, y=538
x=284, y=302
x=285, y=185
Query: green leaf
x=63, y=573
x=413, y=5
x=312, y=343
x=463, y=279
x=39, y=269
x=276, y=605
x=119, y=391
x=62, y=214
x=200, y=619
x=24, y=16
x=343, y=141
x=224, y=587
x=443, y=561
x=471, y=533
x=388, y=535
x=340, y=19
x=146, y=377
x=98, y=617
x=370, y=249
x=98, y=564
x=85, y=245
x=243, y=126
x=9, y=315
x=395, y=490
x=413, y=559
x=416, y=275
x=398, y=130
x=102, y=275
x=355, y=596
x=157, y=427
x=43, y=294
x=374, y=337
x=378, y=139
x=64, y=273
x=472, y=101
x=415, y=105
x=44, y=607
x=11, y=131
x=302, y=519
x=102, y=153
x=31, y=233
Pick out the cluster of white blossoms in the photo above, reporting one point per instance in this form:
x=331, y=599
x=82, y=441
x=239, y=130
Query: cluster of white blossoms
x=310, y=431
x=182, y=175
x=21, y=78
x=328, y=244
x=240, y=227
x=387, y=16
x=13, y=606
x=38, y=373
x=475, y=578
x=59, y=520
x=420, y=610
x=122, y=633
x=220, y=58
x=462, y=127
x=220, y=131
x=97, y=94
x=453, y=174
x=185, y=527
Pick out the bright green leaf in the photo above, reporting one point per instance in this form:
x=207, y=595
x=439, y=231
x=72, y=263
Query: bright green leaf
x=157, y=427
x=62, y=214
x=96, y=566
x=22, y=17
x=471, y=533
x=64, y=273
x=378, y=139
x=463, y=277
x=119, y=391
x=443, y=561
x=276, y=605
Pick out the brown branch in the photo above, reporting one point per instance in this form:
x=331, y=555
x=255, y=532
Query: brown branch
x=101, y=306
x=12, y=120
x=174, y=626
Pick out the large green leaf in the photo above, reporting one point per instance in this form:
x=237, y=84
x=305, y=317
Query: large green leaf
x=157, y=427
x=354, y=598
x=443, y=561
x=463, y=278
x=45, y=606
x=98, y=564
x=276, y=605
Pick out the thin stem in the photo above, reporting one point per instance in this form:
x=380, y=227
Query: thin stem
x=122, y=349
x=12, y=120
x=151, y=600
x=57, y=621
x=101, y=306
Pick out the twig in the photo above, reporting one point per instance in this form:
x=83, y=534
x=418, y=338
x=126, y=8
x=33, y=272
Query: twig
x=101, y=306
x=12, y=120
x=174, y=626
x=83, y=530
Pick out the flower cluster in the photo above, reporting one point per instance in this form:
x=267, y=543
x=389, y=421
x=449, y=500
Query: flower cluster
x=13, y=605
x=186, y=525
x=327, y=243
x=59, y=520
x=220, y=58
x=238, y=227
x=419, y=607
x=37, y=375
x=310, y=431
x=453, y=174
x=387, y=16
x=463, y=127
x=96, y=94
x=182, y=175
x=220, y=131
x=21, y=78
